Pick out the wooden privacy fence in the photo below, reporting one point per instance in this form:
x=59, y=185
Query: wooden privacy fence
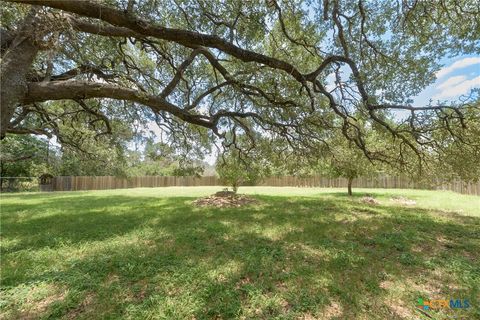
x=386, y=182
x=71, y=183
x=74, y=183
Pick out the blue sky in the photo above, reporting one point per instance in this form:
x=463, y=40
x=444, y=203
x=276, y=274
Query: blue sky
x=456, y=78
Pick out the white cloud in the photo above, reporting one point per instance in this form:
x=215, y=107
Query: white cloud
x=451, y=82
x=457, y=89
x=465, y=62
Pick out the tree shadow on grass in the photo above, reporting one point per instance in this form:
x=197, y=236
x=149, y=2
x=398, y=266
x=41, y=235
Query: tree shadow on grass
x=71, y=220
x=287, y=257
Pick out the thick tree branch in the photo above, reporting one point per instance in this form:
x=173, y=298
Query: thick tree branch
x=178, y=75
x=77, y=90
x=101, y=29
x=184, y=37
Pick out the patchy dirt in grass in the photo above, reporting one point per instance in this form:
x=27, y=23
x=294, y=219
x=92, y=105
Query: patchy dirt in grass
x=369, y=200
x=38, y=301
x=444, y=242
x=400, y=311
x=111, y=279
x=140, y=291
x=225, y=199
x=86, y=306
x=285, y=305
x=403, y=201
x=438, y=247
x=430, y=286
x=334, y=310
x=307, y=316
x=243, y=281
x=39, y=307
x=387, y=285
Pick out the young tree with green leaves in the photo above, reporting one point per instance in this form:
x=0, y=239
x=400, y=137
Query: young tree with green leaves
x=235, y=170
x=348, y=162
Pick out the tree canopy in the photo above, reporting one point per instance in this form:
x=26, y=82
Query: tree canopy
x=207, y=71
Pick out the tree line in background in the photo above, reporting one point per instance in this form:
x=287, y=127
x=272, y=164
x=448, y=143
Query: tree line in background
x=138, y=154
x=273, y=87
x=31, y=156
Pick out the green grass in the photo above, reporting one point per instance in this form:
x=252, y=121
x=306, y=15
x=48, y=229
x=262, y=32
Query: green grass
x=298, y=254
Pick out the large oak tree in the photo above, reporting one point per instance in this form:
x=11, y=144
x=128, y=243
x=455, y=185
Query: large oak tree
x=294, y=70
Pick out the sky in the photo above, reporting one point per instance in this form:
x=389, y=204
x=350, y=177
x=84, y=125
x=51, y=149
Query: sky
x=456, y=78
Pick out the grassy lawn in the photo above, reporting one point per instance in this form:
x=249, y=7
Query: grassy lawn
x=298, y=254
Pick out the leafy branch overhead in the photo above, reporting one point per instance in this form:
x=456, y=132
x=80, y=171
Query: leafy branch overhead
x=295, y=71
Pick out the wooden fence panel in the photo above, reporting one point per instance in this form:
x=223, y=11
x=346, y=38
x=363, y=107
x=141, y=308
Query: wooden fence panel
x=74, y=183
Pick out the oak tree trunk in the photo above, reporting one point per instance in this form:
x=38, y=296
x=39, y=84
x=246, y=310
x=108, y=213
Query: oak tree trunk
x=350, y=180
x=16, y=63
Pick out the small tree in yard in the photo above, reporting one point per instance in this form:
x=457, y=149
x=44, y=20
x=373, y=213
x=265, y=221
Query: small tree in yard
x=235, y=171
x=231, y=175
x=344, y=159
x=348, y=162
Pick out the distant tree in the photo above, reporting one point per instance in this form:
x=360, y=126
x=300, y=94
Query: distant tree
x=348, y=162
x=231, y=174
x=235, y=170
x=23, y=156
x=106, y=160
x=334, y=156
x=163, y=159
